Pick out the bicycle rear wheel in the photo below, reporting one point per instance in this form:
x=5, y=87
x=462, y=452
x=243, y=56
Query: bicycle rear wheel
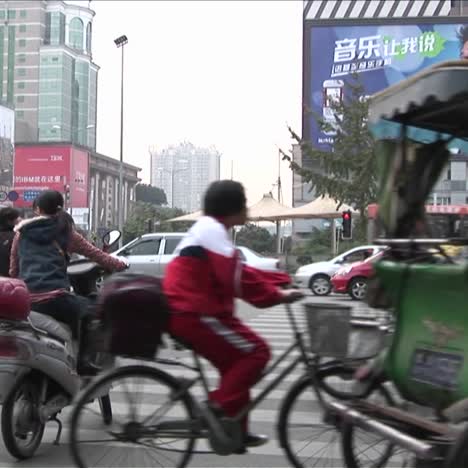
x=153, y=421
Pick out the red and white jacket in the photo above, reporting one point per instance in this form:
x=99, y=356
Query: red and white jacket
x=207, y=274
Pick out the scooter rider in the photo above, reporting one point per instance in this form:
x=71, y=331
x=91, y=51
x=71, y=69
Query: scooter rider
x=39, y=256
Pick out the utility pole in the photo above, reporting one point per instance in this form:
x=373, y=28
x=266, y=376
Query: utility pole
x=278, y=223
x=120, y=43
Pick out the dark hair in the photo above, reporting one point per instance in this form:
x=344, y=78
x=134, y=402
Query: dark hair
x=8, y=216
x=50, y=202
x=224, y=198
x=462, y=35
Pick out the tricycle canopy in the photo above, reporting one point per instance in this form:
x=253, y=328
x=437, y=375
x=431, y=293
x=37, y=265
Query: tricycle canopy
x=431, y=105
x=417, y=122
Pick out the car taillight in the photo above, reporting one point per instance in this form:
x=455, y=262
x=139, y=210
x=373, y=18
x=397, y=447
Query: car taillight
x=12, y=347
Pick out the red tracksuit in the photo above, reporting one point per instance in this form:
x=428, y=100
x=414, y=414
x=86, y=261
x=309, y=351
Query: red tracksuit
x=201, y=284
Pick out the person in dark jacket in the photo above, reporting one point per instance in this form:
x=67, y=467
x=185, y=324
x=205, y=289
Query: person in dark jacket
x=39, y=256
x=9, y=217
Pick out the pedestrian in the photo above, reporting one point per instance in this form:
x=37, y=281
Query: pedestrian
x=9, y=217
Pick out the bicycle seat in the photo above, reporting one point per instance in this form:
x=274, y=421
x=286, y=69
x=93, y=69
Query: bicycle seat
x=51, y=326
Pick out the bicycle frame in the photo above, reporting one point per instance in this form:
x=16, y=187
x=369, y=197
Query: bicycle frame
x=303, y=357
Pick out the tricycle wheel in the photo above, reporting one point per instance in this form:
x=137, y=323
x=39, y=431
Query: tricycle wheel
x=362, y=449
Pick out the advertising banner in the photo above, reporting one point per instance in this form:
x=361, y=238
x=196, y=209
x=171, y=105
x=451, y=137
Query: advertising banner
x=380, y=55
x=42, y=167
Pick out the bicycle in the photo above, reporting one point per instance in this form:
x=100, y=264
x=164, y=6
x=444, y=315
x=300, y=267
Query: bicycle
x=174, y=425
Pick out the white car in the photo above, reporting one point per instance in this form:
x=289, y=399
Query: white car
x=316, y=276
x=150, y=254
x=254, y=259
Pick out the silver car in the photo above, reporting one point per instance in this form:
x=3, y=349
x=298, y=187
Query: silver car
x=150, y=254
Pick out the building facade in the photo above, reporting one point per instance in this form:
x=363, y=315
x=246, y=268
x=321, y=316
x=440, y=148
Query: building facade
x=104, y=189
x=7, y=147
x=452, y=187
x=47, y=70
x=184, y=172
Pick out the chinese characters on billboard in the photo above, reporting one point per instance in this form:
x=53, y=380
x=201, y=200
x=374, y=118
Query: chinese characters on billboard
x=61, y=168
x=380, y=55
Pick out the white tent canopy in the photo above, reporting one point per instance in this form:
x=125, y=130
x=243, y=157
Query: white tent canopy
x=268, y=209
x=260, y=211
x=320, y=208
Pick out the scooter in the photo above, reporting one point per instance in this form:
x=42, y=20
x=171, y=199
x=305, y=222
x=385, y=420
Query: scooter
x=38, y=377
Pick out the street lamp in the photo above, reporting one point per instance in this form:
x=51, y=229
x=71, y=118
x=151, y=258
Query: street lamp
x=120, y=43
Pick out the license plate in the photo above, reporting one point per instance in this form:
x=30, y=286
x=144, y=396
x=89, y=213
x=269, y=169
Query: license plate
x=436, y=368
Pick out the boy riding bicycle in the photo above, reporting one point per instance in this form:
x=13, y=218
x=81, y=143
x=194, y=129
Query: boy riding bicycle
x=201, y=284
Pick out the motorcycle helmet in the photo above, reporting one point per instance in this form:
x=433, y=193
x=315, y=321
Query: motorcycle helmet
x=15, y=303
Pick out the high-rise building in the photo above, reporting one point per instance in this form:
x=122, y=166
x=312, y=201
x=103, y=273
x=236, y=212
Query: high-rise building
x=47, y=70
x=184, y=172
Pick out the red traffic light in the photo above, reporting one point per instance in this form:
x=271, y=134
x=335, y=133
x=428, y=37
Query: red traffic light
x=345, y=215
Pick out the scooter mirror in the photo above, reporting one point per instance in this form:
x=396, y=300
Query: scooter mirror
x=111, y=237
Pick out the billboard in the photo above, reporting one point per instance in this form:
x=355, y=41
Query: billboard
x=43, y=167
x=380, y=54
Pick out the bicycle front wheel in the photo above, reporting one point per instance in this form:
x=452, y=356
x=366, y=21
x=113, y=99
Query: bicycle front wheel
x=308, y=433
x=153, y=421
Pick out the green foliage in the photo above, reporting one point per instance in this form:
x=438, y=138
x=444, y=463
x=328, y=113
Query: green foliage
x=149, y=194
x=317, y=245
x=347, y=171
x=146, y=218
x=256, y=238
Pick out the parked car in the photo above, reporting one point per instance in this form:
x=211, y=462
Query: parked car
x=316, y=276
x=352, y=279
x=150, y=254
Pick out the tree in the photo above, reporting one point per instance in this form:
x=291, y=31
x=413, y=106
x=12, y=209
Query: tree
x=149, y=194
x=347, y=172
x=146, y=218
x=256, y=238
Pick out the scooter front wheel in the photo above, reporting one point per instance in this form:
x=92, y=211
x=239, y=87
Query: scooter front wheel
x=22, y=429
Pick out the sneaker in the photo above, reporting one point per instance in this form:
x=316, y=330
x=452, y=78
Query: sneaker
x=251, y=440
x=255, y=440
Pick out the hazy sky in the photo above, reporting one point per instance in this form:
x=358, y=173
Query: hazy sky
x=223, y=73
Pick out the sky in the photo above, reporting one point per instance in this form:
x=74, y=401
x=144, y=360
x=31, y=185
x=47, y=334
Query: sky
x=222, y=73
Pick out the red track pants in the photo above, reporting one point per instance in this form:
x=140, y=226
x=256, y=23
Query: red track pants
x=239, y=354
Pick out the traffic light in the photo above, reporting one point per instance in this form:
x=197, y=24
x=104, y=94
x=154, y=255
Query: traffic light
x=347, y=227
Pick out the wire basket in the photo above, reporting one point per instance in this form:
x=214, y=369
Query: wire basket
x=334, y=332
